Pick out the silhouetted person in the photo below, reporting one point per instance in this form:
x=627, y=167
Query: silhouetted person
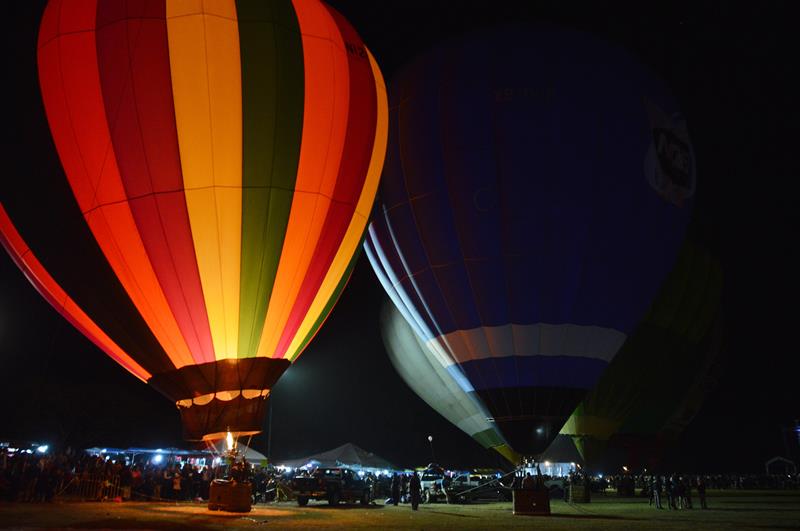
x=680, y=496
x=372, y=485
x=687, y=485
x=414, y=490
x=669, y=488
x=177, y=492
x=395, y=489
x=166, y=483
x=655, y=494
x=528, y=482
x=539, y=479
x=701, y=493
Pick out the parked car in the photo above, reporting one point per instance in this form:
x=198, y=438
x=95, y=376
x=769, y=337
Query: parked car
x=331, y=484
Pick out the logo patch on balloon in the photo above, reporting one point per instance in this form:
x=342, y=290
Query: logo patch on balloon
x=669, y=163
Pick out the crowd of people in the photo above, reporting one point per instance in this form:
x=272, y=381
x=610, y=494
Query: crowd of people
x=712, y=481
x=41, y=477
x=35, y=477
x=676, y=491
x=405, y=487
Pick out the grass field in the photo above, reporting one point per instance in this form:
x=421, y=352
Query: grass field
x=728, y=510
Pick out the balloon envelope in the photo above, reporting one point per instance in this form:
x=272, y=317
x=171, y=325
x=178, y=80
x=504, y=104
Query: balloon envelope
x=656, y=367
x=656, y=423
x=534, y=196
x=429, y=378
x=221, y=162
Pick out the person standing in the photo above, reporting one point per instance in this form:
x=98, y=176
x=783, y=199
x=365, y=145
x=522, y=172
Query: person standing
x=528, y=482
x=414, y=490
x=669, y=489
x=166, y=483
x=395, y=489
x=177, y=491
x=656, y=491
x=688, y=484
x=701, y=492
x=679, y=494
x=136, y=481
x=371, y=486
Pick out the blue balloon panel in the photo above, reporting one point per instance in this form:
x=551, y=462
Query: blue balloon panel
x=532, y=371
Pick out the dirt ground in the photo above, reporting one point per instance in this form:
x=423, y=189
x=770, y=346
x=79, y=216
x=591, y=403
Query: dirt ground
x=729, y=510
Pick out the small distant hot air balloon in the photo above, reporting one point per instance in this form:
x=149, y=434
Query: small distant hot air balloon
x=430, y=379
x=535, y=194
x=221, y=162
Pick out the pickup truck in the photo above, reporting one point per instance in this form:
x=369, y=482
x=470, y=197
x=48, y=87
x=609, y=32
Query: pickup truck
x=332, y=484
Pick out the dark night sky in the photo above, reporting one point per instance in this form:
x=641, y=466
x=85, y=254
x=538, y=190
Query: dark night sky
x=733, y=68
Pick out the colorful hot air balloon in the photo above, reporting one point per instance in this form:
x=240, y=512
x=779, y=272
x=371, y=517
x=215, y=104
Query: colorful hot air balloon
x=534, y=196
x=655, y=368
x=221, y=162
x=429, y=378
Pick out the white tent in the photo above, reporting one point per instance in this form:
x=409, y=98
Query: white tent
x=348, y=455
x=780, y=465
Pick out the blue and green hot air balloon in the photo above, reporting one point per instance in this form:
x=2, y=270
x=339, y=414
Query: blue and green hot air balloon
x=535, y=194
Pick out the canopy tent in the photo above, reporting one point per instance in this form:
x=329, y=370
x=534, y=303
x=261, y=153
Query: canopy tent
x=253, y=457
x=140, y=451
x=348, y=455
x=780, y=465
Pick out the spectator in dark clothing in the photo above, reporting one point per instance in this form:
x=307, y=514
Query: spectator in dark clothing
x=687, y=487
x=166, y=484
x=669, y=488
x=678, y=492
x=197, y=480
x=414, y=490
x=177, y=490
x=40, y=487
x=701, y=493
x=395, y=489
x=126, y=482
x=655, y=494
x=527, y=482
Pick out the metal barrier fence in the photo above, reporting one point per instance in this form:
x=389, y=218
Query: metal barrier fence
x=92, y=487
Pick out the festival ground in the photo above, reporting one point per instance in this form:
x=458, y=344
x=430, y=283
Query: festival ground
x=729, y=510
